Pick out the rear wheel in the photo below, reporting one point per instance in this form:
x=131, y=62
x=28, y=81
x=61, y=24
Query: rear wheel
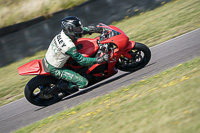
x=141, y=55
x=36, y=91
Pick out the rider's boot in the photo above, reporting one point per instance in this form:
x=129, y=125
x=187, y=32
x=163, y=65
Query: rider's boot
x=67, y=87
x=72, y=87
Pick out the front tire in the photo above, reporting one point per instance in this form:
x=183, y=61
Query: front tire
x=141, y=56
x=34, y=94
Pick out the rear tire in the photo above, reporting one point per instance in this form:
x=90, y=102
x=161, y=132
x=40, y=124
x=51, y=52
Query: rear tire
x=141, y=56
x=33, y=92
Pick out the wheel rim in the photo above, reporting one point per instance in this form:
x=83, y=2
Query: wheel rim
x=40, y=93
x=137, y=59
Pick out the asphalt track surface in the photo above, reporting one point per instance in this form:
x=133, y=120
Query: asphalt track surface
x=20, y=113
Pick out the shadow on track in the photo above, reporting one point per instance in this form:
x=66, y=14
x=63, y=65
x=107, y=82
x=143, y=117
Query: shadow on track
x=89, y=89
x=101, y=84
x=96, y=86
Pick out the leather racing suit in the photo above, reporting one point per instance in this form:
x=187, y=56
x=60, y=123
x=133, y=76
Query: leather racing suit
x=60, y=50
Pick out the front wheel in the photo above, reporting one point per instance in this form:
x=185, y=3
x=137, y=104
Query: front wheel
x=141, y=56
x=36, y=91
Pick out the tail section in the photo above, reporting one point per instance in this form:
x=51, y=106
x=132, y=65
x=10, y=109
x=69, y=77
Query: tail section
x=34, y=67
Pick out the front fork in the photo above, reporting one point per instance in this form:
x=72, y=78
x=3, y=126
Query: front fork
x=130, y=46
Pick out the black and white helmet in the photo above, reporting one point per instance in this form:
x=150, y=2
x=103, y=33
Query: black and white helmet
x=72, y=26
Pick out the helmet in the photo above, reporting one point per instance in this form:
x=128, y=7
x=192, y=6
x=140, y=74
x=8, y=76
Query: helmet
x=72, y=26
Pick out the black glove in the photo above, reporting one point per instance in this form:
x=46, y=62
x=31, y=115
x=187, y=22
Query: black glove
x=103, y=58
x=94, y=29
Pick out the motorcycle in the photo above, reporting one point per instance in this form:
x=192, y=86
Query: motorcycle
x=125, y=55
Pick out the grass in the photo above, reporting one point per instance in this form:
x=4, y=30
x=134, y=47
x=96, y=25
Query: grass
x=164, y=23
x=150, y=28
x=167, y=103
x=16, y=11
x=12, y=84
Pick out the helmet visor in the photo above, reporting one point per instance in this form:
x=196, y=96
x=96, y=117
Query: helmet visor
x=79, y=29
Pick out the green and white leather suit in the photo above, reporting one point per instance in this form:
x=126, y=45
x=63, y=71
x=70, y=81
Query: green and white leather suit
x=60, y=50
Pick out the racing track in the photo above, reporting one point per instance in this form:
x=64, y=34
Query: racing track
x=165, y=55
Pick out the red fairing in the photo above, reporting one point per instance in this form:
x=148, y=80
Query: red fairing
x=87, y=46
x=120, y=40
x=34, y=67
x=131, y=44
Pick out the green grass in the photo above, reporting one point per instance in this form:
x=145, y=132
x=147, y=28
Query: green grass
x=150, y=28
x=167, y=103
x=16, y=11
x=11, y=83
x=163, y=23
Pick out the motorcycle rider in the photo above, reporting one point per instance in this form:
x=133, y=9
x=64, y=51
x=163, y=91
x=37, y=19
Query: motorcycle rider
x=62, y=48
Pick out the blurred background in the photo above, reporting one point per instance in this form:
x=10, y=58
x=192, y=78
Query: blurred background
x=29, y=26
x=168, y=102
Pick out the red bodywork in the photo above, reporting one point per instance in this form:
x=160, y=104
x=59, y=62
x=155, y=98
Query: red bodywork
x=34, y=67
x=89, y=48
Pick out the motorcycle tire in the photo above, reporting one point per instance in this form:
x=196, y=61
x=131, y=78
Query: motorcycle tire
x=141, y=56
x=34, y=84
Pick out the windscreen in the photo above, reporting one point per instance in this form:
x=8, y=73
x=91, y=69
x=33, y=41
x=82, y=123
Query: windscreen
x=107, y=32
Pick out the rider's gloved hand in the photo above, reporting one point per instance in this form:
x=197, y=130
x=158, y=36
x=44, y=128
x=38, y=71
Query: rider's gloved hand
x=103, y=58
x=94, y=29
x=99, y=29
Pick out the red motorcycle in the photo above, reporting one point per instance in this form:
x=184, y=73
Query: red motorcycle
x=125, y=55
